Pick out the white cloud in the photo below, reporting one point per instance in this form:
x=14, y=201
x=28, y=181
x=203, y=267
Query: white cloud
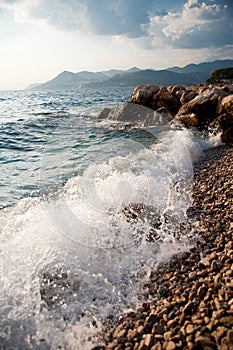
x=195, y=25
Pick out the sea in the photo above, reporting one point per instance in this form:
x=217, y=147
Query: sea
x=88, y=208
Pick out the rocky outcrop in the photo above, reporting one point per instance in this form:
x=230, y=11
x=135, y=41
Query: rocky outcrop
x=153, y=97
x=203, y=107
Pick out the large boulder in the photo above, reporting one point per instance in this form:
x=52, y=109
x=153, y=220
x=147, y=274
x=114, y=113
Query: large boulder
x=144, y=94
x=176, y=89
x=204, y=106
x=187, y=96
x=137, y=115
x=224, y=125
x=187, y=120
x=169, y=101
x=226, y=104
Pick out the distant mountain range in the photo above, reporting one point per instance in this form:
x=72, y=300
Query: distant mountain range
x=191, y=74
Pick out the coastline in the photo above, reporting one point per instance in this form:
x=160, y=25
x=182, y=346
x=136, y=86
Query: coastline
x=191, y=297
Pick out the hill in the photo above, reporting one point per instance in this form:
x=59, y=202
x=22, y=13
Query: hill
x=191, y=74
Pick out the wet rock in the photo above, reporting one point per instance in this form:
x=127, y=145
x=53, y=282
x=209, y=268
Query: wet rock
x=135, y=213
x=104, y=113
x=164, y=112
x=223, y=124
x=137, y=115
x=187, y=120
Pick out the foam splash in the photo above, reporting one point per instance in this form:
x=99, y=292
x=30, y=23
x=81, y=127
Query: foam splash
x=72, y=260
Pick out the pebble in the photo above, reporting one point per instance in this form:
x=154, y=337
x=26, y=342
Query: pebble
x=191, y=297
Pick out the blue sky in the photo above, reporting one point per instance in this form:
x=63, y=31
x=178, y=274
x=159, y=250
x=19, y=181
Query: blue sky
x=41, y=38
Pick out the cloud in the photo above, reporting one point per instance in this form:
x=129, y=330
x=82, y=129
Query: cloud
x=196, y=25
x=190, y=25
x=103, y=17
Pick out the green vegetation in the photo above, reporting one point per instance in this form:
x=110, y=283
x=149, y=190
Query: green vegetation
x=221, y=75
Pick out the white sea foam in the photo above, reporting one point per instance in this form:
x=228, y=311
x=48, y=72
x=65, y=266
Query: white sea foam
x=73, y=259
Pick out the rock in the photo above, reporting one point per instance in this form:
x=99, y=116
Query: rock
x=192, y=275
x=204, y=106
x=190, y=329
x=164, y=112
x=169, y=101
x=205, y=342
x=228, y=88
x=170, y=345
x=230, y=337
x=189, y=308
x=176, y=89
x=104, y=113
x=187, y=96
x=226, y=104
x=143, y=95
x=137, y=115
x=167, y=335
x=187, y=120
x=194, y=313
x=227, y=136
x=223, y=124
x=158, y=329
x=204, y=262
x=148, y=340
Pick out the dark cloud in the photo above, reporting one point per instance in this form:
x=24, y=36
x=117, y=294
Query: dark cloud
x=103, y=17
x=179, y=24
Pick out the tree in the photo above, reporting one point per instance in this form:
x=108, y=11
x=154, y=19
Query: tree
x=221, y=75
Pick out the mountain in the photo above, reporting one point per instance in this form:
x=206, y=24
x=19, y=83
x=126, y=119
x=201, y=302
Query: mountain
x=67, y=80
x=149, y=76
x=204, y=67
x=191, y=74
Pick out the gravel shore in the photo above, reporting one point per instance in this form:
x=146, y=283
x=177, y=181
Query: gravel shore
x=192, y=295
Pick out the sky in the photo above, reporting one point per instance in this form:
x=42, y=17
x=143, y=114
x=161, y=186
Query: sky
x=41, y=38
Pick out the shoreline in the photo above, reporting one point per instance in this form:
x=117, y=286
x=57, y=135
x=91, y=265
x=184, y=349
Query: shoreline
x=191, y=297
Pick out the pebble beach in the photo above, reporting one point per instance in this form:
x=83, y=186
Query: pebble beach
x=190, y=300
